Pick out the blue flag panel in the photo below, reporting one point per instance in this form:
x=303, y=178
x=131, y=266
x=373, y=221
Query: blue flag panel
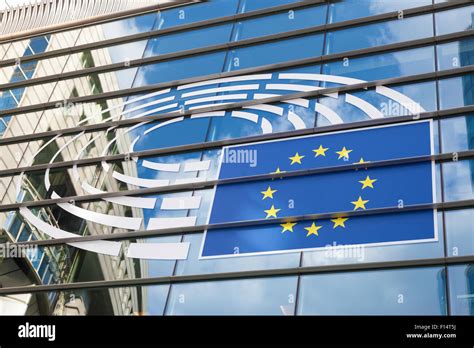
x=332, y=192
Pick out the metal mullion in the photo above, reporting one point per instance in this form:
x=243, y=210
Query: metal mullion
x=179, y=279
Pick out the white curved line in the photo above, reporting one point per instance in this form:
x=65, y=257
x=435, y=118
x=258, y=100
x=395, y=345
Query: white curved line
x=268, y=108
x=266, y=126
x=225, y=80
x=158, y=251
x=408, y=103
x=164, y=167
x=221, y=89
x=366, y=107
x=178, y=203
x=161, y=223
x=320, y=77
x=197, y=166
x=161, y=108
x=139, y=181
x=329, y=114
x=103, y=219
x=245, y=115
x=216, y=98
x=129, y=201
x=209, y=114
x=296, y=121
x=162, y=124
x=101, y=247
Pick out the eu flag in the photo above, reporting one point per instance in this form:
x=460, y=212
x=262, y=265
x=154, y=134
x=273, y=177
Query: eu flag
x=332, y=192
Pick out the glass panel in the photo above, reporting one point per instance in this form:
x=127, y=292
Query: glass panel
x=275, y=52
x=280, y=22
x=458, y=180
x=451, y=21
x=195, y=13
x=460, y=232
x=188, y=40
x=351, y=9
x=389, y=292
x=386, y=65
x=457, y=133
x=456, y=91
x=456, y=54
x=461, y=289
x=379, y=34
x=268, y=296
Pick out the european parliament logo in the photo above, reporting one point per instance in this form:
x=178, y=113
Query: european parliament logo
x=332, y=192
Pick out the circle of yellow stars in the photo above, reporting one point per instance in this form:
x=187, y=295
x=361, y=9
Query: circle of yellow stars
x=339, y=221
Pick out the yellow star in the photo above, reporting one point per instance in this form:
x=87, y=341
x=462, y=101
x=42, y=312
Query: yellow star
x=272, y=212
x=339, y=222
x=296, y=159
x=288, y=226
x=360, y=203
x=268, y=193
x=361, y=161
x=321, y=151
x=344, y=153
x=313, y=229
x=278, y=171
x=368, y=182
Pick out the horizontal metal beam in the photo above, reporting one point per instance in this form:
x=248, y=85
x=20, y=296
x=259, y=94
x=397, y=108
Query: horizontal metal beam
x=237, y=17
x=232, y=106
x=295, y=271
x=444, y=206
x=231, y=45
x=439, y=158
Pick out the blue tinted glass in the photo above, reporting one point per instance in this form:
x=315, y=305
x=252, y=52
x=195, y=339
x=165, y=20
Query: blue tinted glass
x=456, y=91
x=154, y=299
x=252, y=5
x=461, y=289
x=460, y=232
x=188, y=40
x=180, y=69
x=388, y=292
x=195, y=13
x=127, y=26
x=455, y=54
x=386, y=65
x=275, y=52
x=269, y=296
x=281, y=22
x=379, y=34
x=193, y=265
x=457, y=133
x=351, y=9
x=451, y=21
x=345, y=254
x=458, y=180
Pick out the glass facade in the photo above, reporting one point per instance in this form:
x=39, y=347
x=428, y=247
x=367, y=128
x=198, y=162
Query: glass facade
x=127, y=117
